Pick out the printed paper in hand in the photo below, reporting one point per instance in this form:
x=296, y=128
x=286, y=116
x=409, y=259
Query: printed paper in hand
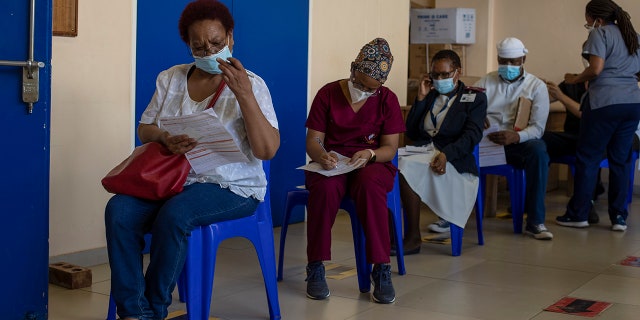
x=215, y=144
x=342, y=168
x=491, y=154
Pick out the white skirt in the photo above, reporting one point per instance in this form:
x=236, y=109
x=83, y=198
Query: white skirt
x=451, y=196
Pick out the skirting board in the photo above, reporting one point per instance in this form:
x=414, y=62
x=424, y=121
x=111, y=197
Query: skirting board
x=85, y=258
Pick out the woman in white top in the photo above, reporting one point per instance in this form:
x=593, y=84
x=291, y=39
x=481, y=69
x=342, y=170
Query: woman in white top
x=226, y=192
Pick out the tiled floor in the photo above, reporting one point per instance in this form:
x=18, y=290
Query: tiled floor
x=511, y=277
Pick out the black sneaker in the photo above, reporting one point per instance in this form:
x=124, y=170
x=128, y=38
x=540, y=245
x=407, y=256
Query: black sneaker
x=382, y=287
x=568, y=221
x=317, y=288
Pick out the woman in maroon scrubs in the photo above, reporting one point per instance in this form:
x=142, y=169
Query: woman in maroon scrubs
x=360, y=119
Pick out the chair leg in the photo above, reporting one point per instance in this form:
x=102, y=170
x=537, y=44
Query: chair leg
x=456, y=240
x=482, y=184
x=200, y=267
x=397, y=227
x=111, y=314
x=479, y=211
x=266, y=257
x=294, y=198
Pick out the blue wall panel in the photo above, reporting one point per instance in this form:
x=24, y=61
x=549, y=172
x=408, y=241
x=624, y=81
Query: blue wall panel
x=24, y=194
x=272, y=40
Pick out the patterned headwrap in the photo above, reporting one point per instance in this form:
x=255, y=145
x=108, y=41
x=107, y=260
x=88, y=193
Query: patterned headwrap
x=374, y=60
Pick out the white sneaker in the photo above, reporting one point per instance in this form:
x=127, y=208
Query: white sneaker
x=439, y=226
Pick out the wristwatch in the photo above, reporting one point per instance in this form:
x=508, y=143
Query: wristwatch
x=373, y=156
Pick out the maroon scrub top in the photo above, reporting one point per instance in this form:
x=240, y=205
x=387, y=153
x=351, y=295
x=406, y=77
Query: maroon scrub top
x=348, y=132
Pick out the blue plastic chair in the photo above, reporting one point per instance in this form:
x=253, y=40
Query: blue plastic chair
x=198, y=272
x=458, y=232
x=517, y=188
x=301, y=196
x=571, y=162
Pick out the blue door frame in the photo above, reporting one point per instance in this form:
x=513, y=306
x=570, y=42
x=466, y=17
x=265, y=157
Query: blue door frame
x=24, y=195
x=271, y=39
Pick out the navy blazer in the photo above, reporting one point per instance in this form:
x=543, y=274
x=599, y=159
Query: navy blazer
x=460, y=131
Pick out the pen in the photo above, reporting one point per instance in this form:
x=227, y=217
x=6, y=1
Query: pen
x=323, y=149
x=321, y=145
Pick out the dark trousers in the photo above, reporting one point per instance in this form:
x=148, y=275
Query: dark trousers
x=561, y=144
x=610, y=128
x=533, y=158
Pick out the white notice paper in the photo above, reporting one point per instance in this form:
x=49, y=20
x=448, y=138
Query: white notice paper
x=342, y=168
x=215, y=144
x=491, y=154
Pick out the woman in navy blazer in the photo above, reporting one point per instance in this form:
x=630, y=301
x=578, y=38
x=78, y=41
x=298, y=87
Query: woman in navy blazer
x=450, y=116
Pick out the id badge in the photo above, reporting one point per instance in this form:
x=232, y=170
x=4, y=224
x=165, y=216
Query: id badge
x=468, y=97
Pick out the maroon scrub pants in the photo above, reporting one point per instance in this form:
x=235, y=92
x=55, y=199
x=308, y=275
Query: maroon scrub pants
x=368, y=187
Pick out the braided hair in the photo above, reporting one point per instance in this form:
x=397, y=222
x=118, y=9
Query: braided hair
x=610, y=12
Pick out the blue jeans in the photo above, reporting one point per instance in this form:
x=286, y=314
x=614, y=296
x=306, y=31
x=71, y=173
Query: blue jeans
x=128, y=219
x=610, y=128
x=532, y=156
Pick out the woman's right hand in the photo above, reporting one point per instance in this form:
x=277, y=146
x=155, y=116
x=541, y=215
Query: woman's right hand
x=329, y=161
x=179, y=144
x=425, y=87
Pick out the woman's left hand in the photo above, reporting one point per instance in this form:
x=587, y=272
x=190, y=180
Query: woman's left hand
x=236, y=77
x=362, y=154
x=439, y=164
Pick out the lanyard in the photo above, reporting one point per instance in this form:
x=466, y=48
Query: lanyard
x=435, y=116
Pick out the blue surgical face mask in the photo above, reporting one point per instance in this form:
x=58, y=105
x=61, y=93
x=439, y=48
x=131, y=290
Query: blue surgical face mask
x=508, y=72
x=444, y=86
x=209, y=63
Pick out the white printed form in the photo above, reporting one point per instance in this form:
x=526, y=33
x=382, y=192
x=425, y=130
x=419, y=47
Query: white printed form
x=342, y=167
x=215, y=145
x=491, y=154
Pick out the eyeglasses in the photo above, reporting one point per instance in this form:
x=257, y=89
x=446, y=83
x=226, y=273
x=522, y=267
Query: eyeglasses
x=442, y=75
x=204, y=51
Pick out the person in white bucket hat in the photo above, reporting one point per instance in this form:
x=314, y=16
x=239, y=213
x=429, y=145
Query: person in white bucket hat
x=523, y=147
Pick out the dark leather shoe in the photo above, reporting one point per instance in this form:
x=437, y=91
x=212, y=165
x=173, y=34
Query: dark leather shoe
x=407, y=252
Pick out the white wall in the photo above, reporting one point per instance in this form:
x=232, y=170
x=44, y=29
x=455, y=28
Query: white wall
x=552, y=30
x=478, y=55
x=340, y=28
x=91, y=120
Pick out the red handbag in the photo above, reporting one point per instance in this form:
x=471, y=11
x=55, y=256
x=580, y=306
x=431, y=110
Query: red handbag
x=152, y=171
